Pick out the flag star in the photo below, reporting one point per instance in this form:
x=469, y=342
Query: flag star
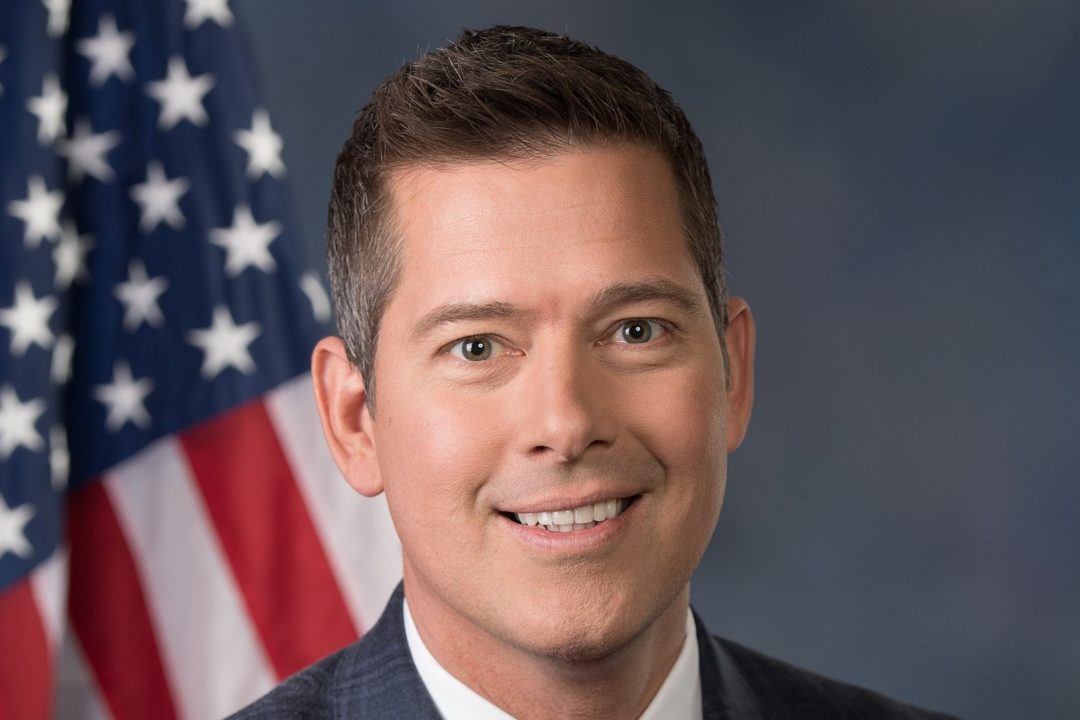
x=13, y=529
x=108, y=52
x=199, y=11
x=159, y=198
x=85, y=151
x=58, y=16
x=180, y=95
x=69, y=256
x=60, y=372
x=17, y=420
x=139, y=296
x=123, y=398
x=316, y=295
x=59, y=458
x=225, y=344
x=263, y=146
x=40, y=211
x=28, y=319
x=49, y=108
x=246, y=243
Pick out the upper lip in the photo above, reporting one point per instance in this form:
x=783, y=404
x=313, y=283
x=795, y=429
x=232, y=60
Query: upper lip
x=565, y=503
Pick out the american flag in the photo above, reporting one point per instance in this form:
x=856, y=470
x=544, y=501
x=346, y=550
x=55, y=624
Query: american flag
x=173, y=537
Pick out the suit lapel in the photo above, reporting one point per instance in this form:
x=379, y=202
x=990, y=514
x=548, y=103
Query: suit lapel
x=377, y=678
x=725, y=694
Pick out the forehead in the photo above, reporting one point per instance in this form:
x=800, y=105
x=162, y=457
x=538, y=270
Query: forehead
x=539, y=232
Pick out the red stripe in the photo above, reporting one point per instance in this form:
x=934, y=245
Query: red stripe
x=268, y=537
x=109, y=613
x=25, y=665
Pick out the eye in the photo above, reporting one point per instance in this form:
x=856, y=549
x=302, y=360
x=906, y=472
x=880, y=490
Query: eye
x=475, y=348
x=638, y=331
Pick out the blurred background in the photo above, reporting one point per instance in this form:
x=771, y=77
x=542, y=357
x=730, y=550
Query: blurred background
x=900, y=190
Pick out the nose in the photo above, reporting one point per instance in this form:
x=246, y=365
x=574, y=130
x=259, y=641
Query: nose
x=566, y=408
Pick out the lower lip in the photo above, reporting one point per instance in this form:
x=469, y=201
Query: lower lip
x=575, y=540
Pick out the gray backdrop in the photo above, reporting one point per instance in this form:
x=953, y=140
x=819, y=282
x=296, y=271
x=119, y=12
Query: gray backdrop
x=900, y=192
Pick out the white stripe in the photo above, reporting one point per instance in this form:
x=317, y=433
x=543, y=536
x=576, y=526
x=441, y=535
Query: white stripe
x=356, y=532
x=77, y=694
x=48, y=587
x=209, y=647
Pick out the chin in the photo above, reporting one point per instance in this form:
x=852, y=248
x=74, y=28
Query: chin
x=583, y=624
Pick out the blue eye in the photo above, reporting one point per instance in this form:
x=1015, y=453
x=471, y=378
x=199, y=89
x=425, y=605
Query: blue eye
x=476, y=348
x=638, y=331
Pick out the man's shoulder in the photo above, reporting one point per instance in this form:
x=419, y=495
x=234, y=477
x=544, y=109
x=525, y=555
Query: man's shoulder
x=372, y=678
x=307, y=694
x=754, y=685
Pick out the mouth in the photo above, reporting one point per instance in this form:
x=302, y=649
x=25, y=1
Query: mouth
x=578, y=518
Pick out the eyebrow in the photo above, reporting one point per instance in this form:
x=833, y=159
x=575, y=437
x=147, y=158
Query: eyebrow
x=617, y=294
x=604, y=300
x=457, y=312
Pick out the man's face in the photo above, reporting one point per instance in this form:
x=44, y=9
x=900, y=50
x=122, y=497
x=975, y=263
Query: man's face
x=549, y=346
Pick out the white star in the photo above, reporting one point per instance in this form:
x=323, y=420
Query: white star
x=17, y=420
x=124, y=398
x=28, y=319
x=108, y=51
x=3, y=54
x=40, y=211
x=180, y=95
x=246, y=243
x=200, y=10
x=13, y=529
x=159, y=198
x=225, y=344
x=49, y=108
x=60, y=372
x=69, y=256
x=85, y=152
x=263, y=146
x=316, y=295
x=140, y=297
x=59, y=459
x=58, y=16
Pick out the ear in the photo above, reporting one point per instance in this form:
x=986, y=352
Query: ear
x=346, y=420
x=740, y=337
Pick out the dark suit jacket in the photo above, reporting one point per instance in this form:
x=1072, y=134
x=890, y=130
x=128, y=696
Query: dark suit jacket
x=376, y=678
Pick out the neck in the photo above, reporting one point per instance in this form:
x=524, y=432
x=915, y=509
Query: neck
x=618, y=683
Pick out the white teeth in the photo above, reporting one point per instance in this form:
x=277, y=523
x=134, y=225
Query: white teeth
x=579, y=518
x=563, y=517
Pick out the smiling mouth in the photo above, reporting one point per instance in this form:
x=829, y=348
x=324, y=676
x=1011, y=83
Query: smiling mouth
x=579, y=518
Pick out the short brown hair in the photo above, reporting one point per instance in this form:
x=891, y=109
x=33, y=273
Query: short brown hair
x=501, y=93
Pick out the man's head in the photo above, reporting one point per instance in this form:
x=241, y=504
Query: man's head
x=506, y=93
x=555, y=403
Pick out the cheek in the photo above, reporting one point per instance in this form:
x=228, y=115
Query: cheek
x=683, y=426
x=436, y=448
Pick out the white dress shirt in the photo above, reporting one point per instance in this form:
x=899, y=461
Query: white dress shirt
x=679, y=697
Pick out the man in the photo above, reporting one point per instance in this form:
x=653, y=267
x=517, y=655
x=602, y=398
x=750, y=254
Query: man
x=540, y=367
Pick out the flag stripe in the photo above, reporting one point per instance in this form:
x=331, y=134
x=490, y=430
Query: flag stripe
x=196, y=607
x=357, y=532
x=268, y=537
x=24, y=656
x=76, y=694
x=48, y=583
x=108, y=611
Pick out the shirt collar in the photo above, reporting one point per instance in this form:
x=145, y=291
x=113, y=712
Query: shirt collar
x=679, y=697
